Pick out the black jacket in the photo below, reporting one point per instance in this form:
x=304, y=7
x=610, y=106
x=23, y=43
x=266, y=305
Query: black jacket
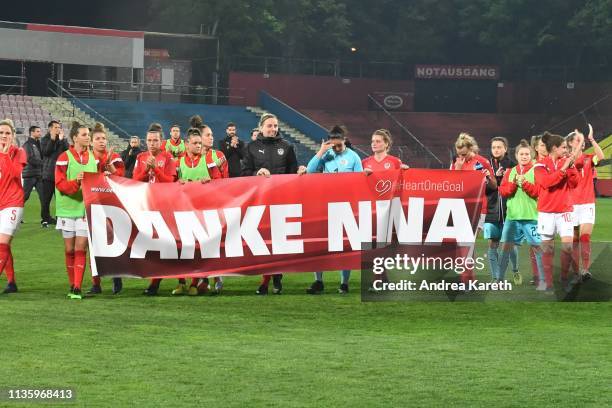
x=496, y=204
x=51, y=149
x=233, y=155
x=273, y=153
x=129, y=159
x=35, y=161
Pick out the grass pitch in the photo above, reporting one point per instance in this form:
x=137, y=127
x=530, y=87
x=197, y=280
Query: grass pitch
x=241, y=350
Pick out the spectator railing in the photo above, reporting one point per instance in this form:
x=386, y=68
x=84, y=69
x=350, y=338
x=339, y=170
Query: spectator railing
x=13, y=85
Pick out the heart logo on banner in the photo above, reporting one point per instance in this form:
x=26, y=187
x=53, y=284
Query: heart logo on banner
x=383, y=186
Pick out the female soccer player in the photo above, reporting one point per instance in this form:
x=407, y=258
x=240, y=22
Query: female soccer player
x=583, y=199
x=381, y=160
x=109, y=163
x=269, y=154
x=70, y=168
x=496, y=209
x=175, y=145
x=200, y=164
x=538, y=147
x=12, y=162
x=154, y=166
x=469, y=159
x=522, y=214
x=556, y=176
x=333, y=157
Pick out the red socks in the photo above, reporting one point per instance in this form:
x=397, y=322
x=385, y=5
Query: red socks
x=575, y=256
x=95, y=280
x=265, y=280
x=566, y=261
x=534, y=265
x=585, y=251
x=547, y=262
x=6, y=262
x=70, y=266
x=79, y=268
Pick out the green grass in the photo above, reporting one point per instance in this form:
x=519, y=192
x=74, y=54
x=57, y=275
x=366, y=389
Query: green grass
x=294, y=350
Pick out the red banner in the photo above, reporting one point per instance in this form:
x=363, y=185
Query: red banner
x=285, y=223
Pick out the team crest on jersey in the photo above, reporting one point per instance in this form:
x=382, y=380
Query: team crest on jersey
x=280, y=151
x=344, y=162
x=387, y=165
x=160, y=163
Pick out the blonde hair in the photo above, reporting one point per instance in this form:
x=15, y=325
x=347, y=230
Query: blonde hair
x=466, y=140
x=9, y=123
x=386, y=135
x=265, y=117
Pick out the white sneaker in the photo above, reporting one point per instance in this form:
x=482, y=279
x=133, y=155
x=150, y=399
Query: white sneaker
x=541, y=286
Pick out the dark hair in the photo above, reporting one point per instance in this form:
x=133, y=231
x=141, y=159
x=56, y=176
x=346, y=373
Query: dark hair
x=156, y=128
x=193, y=132
x=231, y=124
x=196, y=121
x=523, y=144
x=337, y=132
x=74, y=129
x=53, y=122
x=500, y=139
x=33, y=128
x=175, y=126
x=552, y=140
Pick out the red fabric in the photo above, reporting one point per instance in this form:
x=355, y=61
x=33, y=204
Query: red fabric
x=164, y=172
x=69, y=257
x=584, y=192
x=79, y=268
x=310, y=194
x=388, y=163
x=547, y=262
x=95, y=280
x=585, y=251
x=555, y=186
x=534, y=265
x=11, y=165
x=217, y=172
x=175, y=143
x=470, y=164
x=62, y=183
x=265, y=280
x=116, y=161
x=566, y=261
x=5, y=254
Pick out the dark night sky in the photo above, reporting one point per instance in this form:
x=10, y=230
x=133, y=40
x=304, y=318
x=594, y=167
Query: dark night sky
x=128, y=15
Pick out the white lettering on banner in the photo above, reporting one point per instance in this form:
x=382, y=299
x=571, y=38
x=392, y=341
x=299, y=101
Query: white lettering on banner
x=154, y=235
x=280, y=229
x=147, y=222
x=190, y=229
x=122, y=229
x=246, y=230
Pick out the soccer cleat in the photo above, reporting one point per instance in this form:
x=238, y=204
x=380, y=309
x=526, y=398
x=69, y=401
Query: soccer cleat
x=11, y=287
x=181, y=289
x=343, y=289
x=262, y=290
x=52, y=221
x=277, y=288
x=150, y=291
x=193, y=291
x=95, y=290
x=517, y=278
x=533, y=282
x=76, y=294
x=44, y=224
x=117, y=285
x=541, y=286
x=316, y=288
x=586, y=276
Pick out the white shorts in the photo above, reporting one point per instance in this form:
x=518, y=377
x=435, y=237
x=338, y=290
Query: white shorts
x=551, y=223
x=72, y=227
x=481, y=222
x=10, y=218
x=584, y=214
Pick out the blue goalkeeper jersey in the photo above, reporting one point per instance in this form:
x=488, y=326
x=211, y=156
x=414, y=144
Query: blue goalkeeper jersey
x=346, y=162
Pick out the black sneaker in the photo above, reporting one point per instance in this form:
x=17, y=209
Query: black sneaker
x=117, y=285
x=343, y=289
x=44, y=224
x=95, y=290
x=277, y=284
x=10, y=288
x=262, y=290
x=151, y=291
x=316, y=288
x=52, y=221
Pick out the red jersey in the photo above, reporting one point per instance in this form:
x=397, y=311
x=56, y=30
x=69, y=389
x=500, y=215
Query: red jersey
x=115, y=160
x=164, y=172
x=388, y=163
x=584, y=192
x=11, y=165
x=555, y=186
x=477, y=162
x=214, y=171
x=69, y=187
